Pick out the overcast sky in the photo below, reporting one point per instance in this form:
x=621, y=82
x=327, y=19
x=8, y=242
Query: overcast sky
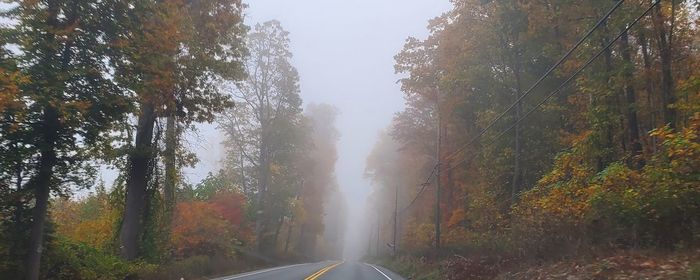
x=344, y=52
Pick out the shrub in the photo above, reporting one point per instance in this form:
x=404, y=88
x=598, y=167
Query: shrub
x=70, y=260
x=215, y=227
x=658, y=205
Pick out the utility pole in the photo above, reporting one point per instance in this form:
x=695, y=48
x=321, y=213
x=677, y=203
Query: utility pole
x=289, y=234
x=437, y=176
x=396, y=218
x=378, y=240
x=369, y=239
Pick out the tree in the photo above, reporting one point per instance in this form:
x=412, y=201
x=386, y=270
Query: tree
x=318, y=173
x=66, y=108
x=263, y=131
x=210, y=227
x=482, y=56
x=173, y=53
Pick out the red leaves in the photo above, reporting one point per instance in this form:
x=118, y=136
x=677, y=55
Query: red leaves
x=214, y=227
x=229, y=206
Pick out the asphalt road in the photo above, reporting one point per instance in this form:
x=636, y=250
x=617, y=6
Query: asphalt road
x=327, y=270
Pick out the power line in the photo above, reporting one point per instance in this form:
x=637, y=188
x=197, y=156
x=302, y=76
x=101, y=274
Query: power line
x=529, y=90
x=540, y=80
x=568, y=80
x=556, y=91
x=423, y=186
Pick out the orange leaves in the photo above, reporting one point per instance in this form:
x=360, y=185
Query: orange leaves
x=91, y=221
x=457, y=217
x=620, y=203
x=199, y=229
x=210, y=227
x=682, y=148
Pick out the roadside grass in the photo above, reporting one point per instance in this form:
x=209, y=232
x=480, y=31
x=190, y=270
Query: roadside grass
x=411, y=267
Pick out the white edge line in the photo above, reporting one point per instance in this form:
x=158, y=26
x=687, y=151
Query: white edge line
x=377, y=269
x=261, y=271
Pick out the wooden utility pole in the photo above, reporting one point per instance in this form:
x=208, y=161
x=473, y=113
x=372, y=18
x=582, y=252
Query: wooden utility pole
x=396, y=218
x=289, y=234
x=369, y=239
x=377, y=246
x=437, y=176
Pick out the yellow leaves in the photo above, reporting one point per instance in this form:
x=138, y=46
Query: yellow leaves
x=682, y=148
x=418, y=236
x=568, y=166
x=95, y=229
x=572, y=198
x=97, y=232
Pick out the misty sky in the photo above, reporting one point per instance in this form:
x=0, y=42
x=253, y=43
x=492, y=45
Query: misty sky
x=344, y=52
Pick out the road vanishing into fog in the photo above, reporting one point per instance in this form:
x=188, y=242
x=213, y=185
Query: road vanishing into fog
x=327, y=270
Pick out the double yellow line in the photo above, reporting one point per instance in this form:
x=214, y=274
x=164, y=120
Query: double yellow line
x=322, y=271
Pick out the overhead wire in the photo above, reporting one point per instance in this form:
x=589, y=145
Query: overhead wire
x=541, y=79
x=568, y=80
x=423, y=187
x=527, y=92
x=537, y=83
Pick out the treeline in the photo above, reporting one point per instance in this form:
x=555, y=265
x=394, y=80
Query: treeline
x=282, y=159
x=119, y=83
x=608, y=160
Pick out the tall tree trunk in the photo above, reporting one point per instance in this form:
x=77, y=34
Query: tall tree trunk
x=277, y=233
x=665, y=40
x=137, y=182
x=42, y=184
x=171, y=171
x=631, y=102
x=17, y=248
x=648, y=86
x=607, y=130
x=244, y=183
x=263, y=186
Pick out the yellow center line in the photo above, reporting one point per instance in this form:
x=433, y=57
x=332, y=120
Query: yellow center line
x=322, y=271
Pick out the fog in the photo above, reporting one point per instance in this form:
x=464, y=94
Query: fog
x=344, y=53
x=365, y=139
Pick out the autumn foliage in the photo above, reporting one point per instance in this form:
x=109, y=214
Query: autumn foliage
x=215, y=227
x=657, y=205
x=537, y=166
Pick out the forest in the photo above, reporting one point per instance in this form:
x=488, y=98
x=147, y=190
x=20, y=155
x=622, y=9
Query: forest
x=546, y=139
x=121, y=84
